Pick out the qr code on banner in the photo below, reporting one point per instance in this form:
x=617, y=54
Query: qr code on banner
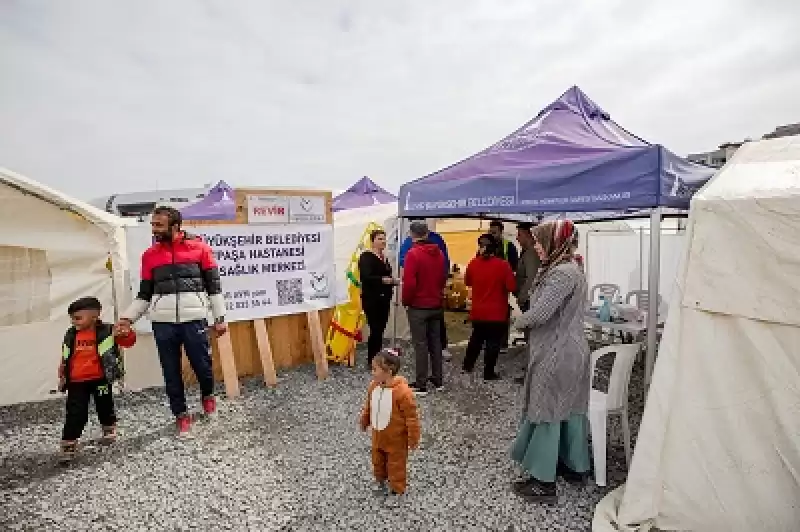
x=290, y=291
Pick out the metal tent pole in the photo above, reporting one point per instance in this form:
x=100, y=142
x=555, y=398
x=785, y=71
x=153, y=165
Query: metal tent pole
x=399, y=231
x=652, y=289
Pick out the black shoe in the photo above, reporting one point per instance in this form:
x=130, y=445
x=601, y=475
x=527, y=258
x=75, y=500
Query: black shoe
x=437, y=386
x=491, y=377
x=570, y=476
x=467, y=370
x=538, y=492
x=419, y=391
x=520, y=380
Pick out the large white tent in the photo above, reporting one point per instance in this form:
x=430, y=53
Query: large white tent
x=53, y=250
x=719, y=445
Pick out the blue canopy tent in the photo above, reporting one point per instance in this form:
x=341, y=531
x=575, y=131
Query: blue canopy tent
x=571, y=158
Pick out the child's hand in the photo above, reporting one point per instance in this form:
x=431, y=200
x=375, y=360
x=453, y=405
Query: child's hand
x=122, y=328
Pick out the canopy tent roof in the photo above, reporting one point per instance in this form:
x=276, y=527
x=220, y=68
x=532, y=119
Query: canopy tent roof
x=219, y=204
x=570, y=158
x=363, y=193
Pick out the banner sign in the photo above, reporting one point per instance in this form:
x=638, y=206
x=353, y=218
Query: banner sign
x=271, y=271
x=267, y=209
x=307, y=209
x=266, y=270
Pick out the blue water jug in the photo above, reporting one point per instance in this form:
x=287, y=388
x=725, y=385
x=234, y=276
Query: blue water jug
x=604, y=314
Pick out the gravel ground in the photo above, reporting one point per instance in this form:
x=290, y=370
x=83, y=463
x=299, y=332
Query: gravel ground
x=286, y=459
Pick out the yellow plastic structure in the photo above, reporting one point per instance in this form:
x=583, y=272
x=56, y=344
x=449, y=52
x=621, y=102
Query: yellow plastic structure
x=348, y=318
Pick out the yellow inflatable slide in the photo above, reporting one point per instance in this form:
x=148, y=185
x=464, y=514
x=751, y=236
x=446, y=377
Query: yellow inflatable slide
x=344, y=332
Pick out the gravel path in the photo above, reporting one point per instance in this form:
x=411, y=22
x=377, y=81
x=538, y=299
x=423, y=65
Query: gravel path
x=286, y=459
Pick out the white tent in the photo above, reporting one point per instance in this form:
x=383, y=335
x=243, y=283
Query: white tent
x=348, y=227
x=719, y=445
x=53, y=250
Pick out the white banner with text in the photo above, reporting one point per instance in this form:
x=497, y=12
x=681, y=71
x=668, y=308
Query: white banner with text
x=267, y=270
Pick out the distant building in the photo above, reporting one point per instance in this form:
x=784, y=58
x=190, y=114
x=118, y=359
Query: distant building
x=718, y=157
x=784, y=131
x=141, y=204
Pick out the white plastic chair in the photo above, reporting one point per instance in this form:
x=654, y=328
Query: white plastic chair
x=608, y=290
x=642, y=298
x=612, y=401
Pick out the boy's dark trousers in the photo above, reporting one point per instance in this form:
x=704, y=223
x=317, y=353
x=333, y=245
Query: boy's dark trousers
x=78, y=395
x=193, y=337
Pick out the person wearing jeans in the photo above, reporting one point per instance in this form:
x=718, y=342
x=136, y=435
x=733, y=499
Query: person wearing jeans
x=180, y=284
x=424, y=279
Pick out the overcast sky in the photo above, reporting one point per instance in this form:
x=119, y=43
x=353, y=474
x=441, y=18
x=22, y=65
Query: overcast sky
x=101, y=97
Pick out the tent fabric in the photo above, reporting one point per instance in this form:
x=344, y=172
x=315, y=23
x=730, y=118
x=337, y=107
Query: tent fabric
x=348, y=228
x=218, y=204
x=718, y=448
x=363, y=193
x=570, y=158
x=53, y=250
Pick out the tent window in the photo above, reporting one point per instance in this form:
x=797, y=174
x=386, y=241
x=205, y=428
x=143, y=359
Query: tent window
x=24, y=286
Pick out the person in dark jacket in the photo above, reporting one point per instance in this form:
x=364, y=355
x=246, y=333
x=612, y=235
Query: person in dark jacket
x=90, y=363
x=377, y=288
x=424, y=279
x=180, y=283
x=491, y=280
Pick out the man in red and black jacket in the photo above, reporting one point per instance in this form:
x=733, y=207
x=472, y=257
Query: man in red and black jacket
x=424, y=279
x=180, y=284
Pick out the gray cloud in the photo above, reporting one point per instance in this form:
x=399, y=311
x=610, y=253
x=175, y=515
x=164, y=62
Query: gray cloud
x=100, y=97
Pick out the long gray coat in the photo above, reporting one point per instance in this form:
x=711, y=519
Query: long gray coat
x=558, y=378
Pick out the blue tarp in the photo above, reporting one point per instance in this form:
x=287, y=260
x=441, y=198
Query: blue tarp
x=571, y=158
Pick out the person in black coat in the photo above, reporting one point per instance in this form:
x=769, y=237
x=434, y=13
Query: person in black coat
x=377, y=288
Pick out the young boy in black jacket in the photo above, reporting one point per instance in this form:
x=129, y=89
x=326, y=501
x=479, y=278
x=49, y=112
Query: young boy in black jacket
x=90, y=363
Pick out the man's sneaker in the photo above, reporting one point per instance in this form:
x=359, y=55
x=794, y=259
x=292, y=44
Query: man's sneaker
x=437, y=386
x=447, y=355
x=210, y=406
x=67, y=452
x=491, y=376
x=184, y=425
x=109, y=435
x=419, y=390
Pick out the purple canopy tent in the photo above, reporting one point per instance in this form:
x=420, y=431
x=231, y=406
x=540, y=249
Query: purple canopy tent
x=362, y=194
x=570, y=158
x=219, y=204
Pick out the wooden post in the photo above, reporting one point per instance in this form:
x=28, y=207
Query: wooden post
x=265, y=352
x=317, y=344
x=229, y=374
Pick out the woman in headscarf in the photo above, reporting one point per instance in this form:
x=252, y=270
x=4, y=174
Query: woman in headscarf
x=553, y=433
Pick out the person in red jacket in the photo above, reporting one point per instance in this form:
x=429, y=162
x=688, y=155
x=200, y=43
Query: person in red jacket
x=180, y=284
x=491, y=280
x=424, y=279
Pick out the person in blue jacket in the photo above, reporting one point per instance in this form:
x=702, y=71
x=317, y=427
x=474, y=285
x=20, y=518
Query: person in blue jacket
x=437, y=239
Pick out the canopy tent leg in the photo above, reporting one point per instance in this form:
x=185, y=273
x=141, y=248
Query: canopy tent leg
x=396, y=302
x=654, y=272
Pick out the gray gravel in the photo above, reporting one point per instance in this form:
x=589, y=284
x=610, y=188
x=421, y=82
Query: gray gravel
x=291, y=458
